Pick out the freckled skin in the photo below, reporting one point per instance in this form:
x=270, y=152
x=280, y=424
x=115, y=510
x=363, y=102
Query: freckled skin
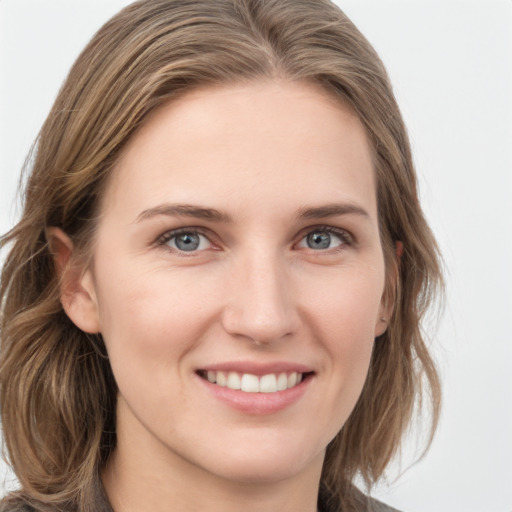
x=254, y=290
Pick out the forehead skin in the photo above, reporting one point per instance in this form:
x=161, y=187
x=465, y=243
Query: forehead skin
x=202, y=136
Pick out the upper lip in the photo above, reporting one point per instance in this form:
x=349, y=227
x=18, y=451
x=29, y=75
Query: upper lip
x=257, y=368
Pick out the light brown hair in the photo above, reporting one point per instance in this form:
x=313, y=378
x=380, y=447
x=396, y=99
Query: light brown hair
x=57, y=393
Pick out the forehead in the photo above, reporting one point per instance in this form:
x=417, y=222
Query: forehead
x=245, y=142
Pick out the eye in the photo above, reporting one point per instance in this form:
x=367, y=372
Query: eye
x=323, y=239
x=185, y=241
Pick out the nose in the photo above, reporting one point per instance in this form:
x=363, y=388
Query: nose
x=260, y=303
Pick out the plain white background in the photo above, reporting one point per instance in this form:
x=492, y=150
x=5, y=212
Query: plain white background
x=451, y=64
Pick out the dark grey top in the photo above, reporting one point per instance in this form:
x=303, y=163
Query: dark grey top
x=102, y=504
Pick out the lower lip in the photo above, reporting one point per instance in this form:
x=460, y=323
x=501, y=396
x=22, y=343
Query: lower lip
x=258, y=403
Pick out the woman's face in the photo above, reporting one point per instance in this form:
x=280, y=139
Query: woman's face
x=238, y=246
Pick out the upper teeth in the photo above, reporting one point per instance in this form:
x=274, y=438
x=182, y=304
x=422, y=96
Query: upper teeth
x=249, y=383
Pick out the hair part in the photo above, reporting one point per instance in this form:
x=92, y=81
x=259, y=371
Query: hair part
x=57, y=393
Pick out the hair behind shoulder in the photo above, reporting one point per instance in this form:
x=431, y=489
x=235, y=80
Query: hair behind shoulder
x=58, y=394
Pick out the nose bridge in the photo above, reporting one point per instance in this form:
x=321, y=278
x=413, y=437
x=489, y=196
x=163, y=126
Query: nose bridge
x=260, y=305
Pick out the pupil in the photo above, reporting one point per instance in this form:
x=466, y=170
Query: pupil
x=187, y=242
x=319, y=241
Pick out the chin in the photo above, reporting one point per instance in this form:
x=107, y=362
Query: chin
x=262, y=472
x=264, y=463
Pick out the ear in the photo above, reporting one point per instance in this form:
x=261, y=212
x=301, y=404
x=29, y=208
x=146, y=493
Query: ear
x=389, y=297
x=77, y=291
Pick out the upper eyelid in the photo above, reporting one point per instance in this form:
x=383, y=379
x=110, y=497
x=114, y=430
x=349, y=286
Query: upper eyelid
x=171, y=233
x=344, y=233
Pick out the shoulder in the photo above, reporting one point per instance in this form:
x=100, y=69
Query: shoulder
x=16, y=502
x=373, y=505
x=369, y=505
x=377, y=506
x=12, y=506
x=358, y=502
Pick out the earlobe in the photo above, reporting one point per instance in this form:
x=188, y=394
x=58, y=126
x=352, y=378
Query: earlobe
x=381, y=326
x=77, y=291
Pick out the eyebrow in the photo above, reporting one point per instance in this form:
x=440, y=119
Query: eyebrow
x=185, y=210
x=198, y=212
x=332, y=210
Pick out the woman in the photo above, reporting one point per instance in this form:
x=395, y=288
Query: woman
x=212, y=300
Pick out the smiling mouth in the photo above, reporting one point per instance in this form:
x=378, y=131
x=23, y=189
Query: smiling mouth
x=249, y=383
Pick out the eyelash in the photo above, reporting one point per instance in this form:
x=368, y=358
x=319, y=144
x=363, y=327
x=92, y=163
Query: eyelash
x=347, y=240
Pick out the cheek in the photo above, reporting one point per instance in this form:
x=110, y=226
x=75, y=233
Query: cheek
x=348, y=303
x=343, y=316
x=153, y=316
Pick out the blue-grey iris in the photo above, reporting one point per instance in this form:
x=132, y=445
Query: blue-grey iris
x=187, y=241
x=319, y=240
